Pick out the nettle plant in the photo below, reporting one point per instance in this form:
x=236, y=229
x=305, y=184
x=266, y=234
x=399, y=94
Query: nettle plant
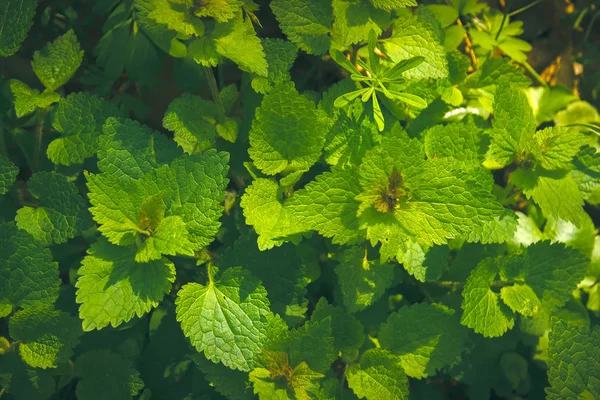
x=414, y=230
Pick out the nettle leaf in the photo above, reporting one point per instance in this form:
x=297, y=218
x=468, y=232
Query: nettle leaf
x=237, y=41
x=161, y=23
x=288, y=132
x=226, y=318
x=379, y=375
x=280, y=55
x=27, y=100
x=46, y=336
x=145, y=189
x=22, y=382
x=58, y=61
x=354, y=20
x=105, y=374
x=412, y=37
x=282, y=271
x=426, y=337
x=16, y=18
x=482, y=309
x=79, y=117
x=327, y=205
x=263, y=210
x=8, y=174
x=306, y=23
x=362, y=281
x=220, y=10
x=193, y=120
x=573, y=362
x=348, y=141
x=113, y=288
x=392, y=4
x=60, y=214
x=28, y=275
x=462, y=141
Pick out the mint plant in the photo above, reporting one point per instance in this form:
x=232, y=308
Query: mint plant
x=346, y=199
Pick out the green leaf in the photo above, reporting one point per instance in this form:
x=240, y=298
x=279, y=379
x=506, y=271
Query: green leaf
x=426, y=337
x=587, y=174
x=306, y=23
x=231, y=383
x=22, y=382
x=226, y=318
x=193, y=121
x=113, y=288
x=362, y=281
x=459, y=140
x=27, y=100
x=16, y=18
x=556, y=147
x=573, y=362
x=105, y=374
x=348, y=141
x=348, y=333
x=79, y=118
x=161, y=24
x=58, y=61
x=280, y=55
x=237, y=41
x=46, y=336
x=286, y=287
x=514, y=124
x=423, y=263
x=353, y=20
x=220, y=10
x=28, y=275
x=8, y=174
x=378, y=376
x=412, y=37
x=59, y=216
x=327, y=205
x=287, y=133
x=138, y=165
x=392, y=4
x=263, y=210
x=482, y=310
x=521, y=299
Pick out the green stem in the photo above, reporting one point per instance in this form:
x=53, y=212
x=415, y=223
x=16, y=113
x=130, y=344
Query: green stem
x=504, y=17
x=39, y=134
x=214, y=90
x=591, y=24
x=209, y=272
x=527, y=7
x=534, y=73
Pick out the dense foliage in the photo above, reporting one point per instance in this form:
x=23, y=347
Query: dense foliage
x=298, y=199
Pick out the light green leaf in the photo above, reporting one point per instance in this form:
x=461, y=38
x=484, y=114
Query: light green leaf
x=28, y=275
x=59, y=216
x=170, y=237
x=237, y=41
x=426, y=337
x=263, y=210
x=193, y=121
x=392, y=4
x=27, y=100
x=287, y=133
x=16, y=18
x=226, y=318
x=280, y=55
x=46, y=336
x=482, y=310
x=105, y=374
x=411, y=37
x=161, y=23
x=220, y=10
x=556, y=147
x=459, y=140
x=362, y=281
x=113, y=288
x=353, y=20
x=573, y=362
x=306, y=23
x=79, y=118
x=378, y=376
x=348, y=141
x=8, y=174
x=521, y=299
x=327, y=205
x=173, y=14
x=56, y=63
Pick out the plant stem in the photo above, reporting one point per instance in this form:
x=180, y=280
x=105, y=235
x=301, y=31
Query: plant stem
x=527, y=7
x=214, y=90
x=534, y=73
x=39, y=133
x=504, y=17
